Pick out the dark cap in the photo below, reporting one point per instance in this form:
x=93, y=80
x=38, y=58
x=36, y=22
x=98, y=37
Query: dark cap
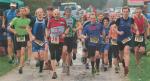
x=50, y=8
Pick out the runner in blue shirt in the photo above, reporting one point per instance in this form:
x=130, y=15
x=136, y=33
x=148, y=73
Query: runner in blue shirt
x=8, y=16
x=125, y=24
x=92, y=33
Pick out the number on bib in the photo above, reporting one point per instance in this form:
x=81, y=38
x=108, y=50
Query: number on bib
x=40, y=43
x=114, y=42
x=94, y=39
x=139, y=38
x=126, y=40
x=21, y=39
x=54, y=40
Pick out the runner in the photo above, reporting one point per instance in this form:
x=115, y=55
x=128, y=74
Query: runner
x=106, y=45
x=70, y=41
x=21, y=31
x=56, y=29
x=92, y=34
x=139, y=40
x=38, y=32
x=29, y=43
x=85, y=60
x=49, y=16
x=8, y=16
x=125, y=24
x=113, y=35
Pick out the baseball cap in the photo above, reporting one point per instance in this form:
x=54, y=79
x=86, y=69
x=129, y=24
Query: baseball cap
x=13, y=4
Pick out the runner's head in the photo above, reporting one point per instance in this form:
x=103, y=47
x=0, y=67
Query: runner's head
x=56, y=14
x=138, y=11
x=39, y=13
x=93, y=18
x=22, y=11
x=13, y=5
x=27, y=10
x=125, y=11
x=112, y=16
x=67, y=12
x=105, y=21
x=49, y=11
x=100, y=16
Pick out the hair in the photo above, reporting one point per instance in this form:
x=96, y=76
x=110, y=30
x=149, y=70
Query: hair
x=37, y=10
x=50, y=8
x=112, y=23
x=126, y=7
x=105, y=18
x=100, y=13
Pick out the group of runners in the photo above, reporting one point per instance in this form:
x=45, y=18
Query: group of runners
x=103, y=38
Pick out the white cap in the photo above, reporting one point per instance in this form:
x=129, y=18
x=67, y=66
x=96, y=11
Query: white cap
x=13, y=4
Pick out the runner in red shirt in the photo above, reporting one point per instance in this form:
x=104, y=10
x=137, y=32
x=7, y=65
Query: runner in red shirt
x=139, y=40
x=56, y=34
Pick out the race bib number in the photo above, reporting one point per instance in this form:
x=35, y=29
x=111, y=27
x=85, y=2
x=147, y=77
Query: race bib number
x=40, y=43
x=139, y=38
x=21, y=39
x=94, y=39
x=126, y=40
x=54, y=40
x=114, y=42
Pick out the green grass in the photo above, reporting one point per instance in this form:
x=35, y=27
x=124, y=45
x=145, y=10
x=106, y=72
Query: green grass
x=140, y=72
x=5, y=67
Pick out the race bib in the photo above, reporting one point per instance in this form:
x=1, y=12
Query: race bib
x=56, y=31
x=126, y=40
x=114, y=42
x=54, y=40
x=21, y=39
x=94, y=39
x=139, y=38
x=40, y=43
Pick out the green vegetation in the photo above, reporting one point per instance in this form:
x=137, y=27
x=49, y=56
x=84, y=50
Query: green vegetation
x=5, y=67
x=140, y=72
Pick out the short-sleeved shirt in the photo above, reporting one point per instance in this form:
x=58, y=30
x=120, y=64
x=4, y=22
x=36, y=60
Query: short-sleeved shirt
x=93, y=32
x=125, y=26
x=57, y=28
x=9, y=14
x=20, y=25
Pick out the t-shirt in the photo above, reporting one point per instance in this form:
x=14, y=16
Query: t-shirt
x=9, y=14
x=93, y=32
x=71, y=23
x=39, y=29
x=113, y=34
x=20, y=25
x=57, y=28
x=125, y=26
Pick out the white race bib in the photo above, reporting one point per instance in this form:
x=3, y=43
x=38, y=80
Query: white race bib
x=126, y=40
x=54, y=40
x=21, y=39
x=139, y=38
x=40, y=43
x=94, y=39
x=114, y=42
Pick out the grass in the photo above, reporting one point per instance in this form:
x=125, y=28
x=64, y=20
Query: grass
x=5, y=67
x=140, y=72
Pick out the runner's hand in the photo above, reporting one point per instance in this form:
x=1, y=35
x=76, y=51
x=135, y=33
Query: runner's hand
x=121, y=32
x=63, y=36
x=137, y=33
x=74, y=29
x=3, y=26
x=32, y=38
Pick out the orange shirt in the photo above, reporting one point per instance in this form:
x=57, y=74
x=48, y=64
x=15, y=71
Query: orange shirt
x=112, y=33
